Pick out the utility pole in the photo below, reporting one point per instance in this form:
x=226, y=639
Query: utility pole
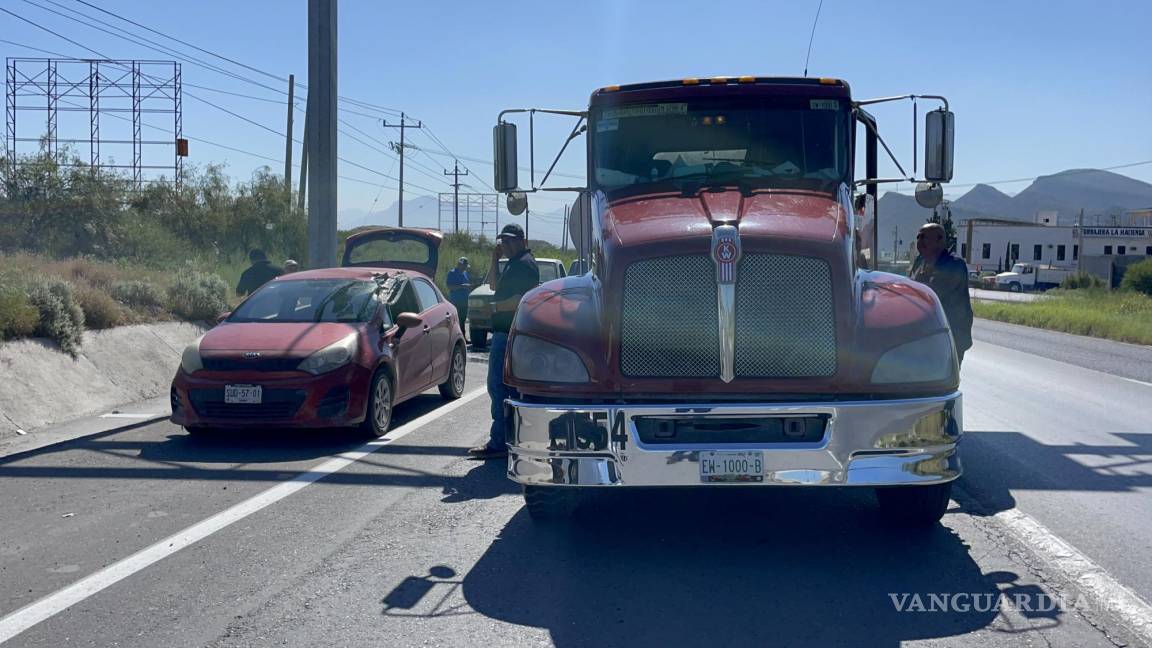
x=304, y=154
x=322, y=99
x=400, y=149
x=895, y=242
x=455, y=173
x=288, y=140
x=1080, y=242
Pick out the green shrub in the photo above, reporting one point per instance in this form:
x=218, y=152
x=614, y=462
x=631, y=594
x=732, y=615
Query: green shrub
x=61, y=318
x=18, y=317
x=138, y=294
x=1081, y=280
x=198, y=296
x=1138, y=277
x=101, y=311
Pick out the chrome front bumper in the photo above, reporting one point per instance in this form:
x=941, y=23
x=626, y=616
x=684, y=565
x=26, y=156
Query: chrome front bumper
x=865, y=443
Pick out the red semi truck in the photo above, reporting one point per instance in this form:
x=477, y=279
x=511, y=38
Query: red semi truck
x=731, y=329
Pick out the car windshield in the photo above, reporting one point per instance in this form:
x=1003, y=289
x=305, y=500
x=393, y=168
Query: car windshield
x=309, y=300
x=747, y=141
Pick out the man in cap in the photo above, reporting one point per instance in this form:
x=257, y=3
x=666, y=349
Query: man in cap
x=947, y=275
x=459, y=285
x=518, y=276
x=259, y=273
x=290, y=266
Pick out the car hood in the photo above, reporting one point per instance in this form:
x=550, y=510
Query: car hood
x=482, y=291
x=284, y=338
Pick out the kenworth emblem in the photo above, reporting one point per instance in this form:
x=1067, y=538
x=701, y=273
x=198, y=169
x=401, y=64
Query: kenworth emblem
x=726, y=256
x=252, y=355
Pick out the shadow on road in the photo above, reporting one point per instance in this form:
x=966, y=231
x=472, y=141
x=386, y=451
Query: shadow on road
x=787, y=567
x=1126, y=466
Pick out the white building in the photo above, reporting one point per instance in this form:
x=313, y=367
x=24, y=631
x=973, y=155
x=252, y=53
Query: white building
x=987, y=244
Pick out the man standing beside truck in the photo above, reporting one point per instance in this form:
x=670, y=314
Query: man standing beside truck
x=947, y=275
x=518, y=277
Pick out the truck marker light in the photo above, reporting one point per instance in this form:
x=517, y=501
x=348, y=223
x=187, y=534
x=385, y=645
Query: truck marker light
x=720, y=119
x=707, y=121
x=827, y=81
x=611, y=88
x=691, y=81
x=747, y=79
x=719, y=80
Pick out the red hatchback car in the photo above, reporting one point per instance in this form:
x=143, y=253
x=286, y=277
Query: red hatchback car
x=337, y=347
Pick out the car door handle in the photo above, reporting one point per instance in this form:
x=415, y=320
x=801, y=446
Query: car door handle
x=426, y=329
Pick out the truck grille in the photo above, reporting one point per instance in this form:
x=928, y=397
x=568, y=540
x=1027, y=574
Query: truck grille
x=785, y=318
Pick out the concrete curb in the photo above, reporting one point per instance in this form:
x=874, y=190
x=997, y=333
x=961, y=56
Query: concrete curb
x=127, y=364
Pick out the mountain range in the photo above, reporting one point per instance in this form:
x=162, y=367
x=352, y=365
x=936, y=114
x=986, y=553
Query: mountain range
x=1102, y=195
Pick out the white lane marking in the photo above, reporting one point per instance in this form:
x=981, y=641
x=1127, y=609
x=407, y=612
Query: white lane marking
x=1138, y=382
x=58, y=601
x=1105, y=592
x=136, y=415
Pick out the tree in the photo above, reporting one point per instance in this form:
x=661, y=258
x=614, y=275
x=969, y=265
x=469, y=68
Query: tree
x=949, y=227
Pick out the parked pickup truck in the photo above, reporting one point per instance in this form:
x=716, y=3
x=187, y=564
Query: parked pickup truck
x=1028, y=276
x=480, y=299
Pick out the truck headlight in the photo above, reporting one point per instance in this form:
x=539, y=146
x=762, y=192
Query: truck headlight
x=477, y=302
x=331, y=357
x=535, y=359
x=929, y=359
x=190, y=359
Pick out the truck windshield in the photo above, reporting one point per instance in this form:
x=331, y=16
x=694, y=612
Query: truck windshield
x=749, y=141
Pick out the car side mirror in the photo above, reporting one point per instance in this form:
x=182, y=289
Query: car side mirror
x=504, y=156
x=406, y=321
x=939, y=129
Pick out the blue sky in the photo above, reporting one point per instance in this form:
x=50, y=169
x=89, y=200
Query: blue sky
x=1037, y=87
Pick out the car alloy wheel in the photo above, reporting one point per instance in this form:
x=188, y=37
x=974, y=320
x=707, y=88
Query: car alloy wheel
x=453, y=388
x=380, y=406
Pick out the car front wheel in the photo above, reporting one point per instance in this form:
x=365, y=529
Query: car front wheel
x=914, y=506
x=378, y=418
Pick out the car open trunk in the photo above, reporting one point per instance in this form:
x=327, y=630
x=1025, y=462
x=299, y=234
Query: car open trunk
x=394, y=247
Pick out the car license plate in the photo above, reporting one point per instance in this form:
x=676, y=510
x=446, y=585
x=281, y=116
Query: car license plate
x=243, y=394
x=732, y=466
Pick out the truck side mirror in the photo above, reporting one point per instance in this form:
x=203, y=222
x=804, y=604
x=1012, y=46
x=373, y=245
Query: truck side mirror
x=939, y=127
x=504, y=157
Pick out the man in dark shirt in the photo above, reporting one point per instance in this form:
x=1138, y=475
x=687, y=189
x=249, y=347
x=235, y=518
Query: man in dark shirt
x=518, y=277
x=947, y=275
x=259, y=273
x=459, y=285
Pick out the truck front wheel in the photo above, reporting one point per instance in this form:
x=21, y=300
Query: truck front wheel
x=550, y=503
x=914, y=506
x=1015, y=287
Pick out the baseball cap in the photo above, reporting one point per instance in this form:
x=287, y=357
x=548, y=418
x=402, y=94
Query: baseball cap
x=512, y=231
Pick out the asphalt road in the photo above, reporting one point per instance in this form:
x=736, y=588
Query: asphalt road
x=413, y=544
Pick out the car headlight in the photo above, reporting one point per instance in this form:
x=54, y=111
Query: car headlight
x=190, y=359
x=929, y=359
x=331, y=357
x=535, y=359
x=477, y=302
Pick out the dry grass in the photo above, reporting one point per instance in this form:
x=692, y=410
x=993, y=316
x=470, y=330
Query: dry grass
x=1125, y=316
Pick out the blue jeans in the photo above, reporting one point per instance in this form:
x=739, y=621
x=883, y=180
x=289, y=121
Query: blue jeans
x=497, y=390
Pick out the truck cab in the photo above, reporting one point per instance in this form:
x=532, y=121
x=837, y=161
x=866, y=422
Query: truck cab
x=731, y=329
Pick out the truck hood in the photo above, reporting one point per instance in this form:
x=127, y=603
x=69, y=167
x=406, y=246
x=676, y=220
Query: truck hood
x=290, y=339
x=790, y=214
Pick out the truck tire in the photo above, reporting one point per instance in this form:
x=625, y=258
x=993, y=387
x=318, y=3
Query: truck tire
x=550, y=503
x=479, y=338
x=914, y=506
x=1015, y=287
